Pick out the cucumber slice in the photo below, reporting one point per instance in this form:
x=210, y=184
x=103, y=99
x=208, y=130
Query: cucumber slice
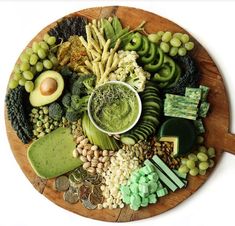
x=140, y=134
x=129, y=139
x=151, y=104
x=151, y=99
x=153, y=112
x=148, y=95
x=150, y=118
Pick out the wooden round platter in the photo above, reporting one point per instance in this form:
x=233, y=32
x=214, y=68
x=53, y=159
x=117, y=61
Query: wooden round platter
x=217, y=123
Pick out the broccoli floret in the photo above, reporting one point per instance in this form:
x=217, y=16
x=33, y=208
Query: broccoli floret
x=79, y=104
x=89, y=83
x=83, y=85
x=55, y=111
x=137, y=82
x=72, y=115
x=66, y=100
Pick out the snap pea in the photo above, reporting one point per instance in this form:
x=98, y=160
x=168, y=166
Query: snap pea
x=108, y=29
x=116, y=25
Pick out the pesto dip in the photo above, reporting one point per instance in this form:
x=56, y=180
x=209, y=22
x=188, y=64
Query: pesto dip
x=114, y=107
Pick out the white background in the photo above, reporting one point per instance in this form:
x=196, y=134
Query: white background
x=212, y=23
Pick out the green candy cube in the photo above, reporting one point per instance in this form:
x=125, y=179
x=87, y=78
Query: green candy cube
x=134, y=187
x=143, y=179
x=144, y=201
x=135, y=200
x=143, y=188
x=162, y=192
x=126, y=199
x=152, y=198
x=153, y=177
x=152, y=187
x=125, y=190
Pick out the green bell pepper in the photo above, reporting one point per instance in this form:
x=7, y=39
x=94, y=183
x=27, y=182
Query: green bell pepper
x=166, y=71
x=156, y=63
x=149, y=57
x=145, y=46
x=135, y=43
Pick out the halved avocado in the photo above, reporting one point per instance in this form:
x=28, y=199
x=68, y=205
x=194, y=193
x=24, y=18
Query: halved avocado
x=49, y=85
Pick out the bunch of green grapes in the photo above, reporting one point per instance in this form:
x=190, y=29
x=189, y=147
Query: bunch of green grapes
x=41, y=56
x=199, y=162
x=172, y=43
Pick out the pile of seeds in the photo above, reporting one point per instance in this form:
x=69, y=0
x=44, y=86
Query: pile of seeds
x=94, y=160
x=123, y=163
x=76, y=129
x=80, y=185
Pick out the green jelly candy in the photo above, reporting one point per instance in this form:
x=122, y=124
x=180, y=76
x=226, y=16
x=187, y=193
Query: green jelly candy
x=153, y=176
x=143, y=188
x=135, y=200
x=142, y=171
x=153, y=187
x=133, y=207
x=143, y=195
x=134, y=178
x=159, y=184
x=126, y=199
x=162, y=192
x=143, y=179
x=150, y=169
x=134, y=188
x=152, y=198
x=144, y=201
x=125, y=190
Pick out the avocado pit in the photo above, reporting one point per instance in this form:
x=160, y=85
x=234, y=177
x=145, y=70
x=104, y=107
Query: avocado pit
x=48, y=86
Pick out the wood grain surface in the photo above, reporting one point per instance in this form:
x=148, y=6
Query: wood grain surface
x=217, y=123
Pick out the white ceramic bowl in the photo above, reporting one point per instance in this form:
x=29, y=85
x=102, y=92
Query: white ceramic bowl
x=137, y=118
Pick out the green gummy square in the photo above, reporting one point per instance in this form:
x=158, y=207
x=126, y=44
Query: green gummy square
x=153, y=186
x=144, y=201
x=143, y=188
x=135, y=200
x=153, y=177
x=125, y=190
x=143, y=179
x=126, y=199
x=162, y=192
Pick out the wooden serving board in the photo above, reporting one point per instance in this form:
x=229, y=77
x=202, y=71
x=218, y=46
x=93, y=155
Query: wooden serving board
x=217, y=123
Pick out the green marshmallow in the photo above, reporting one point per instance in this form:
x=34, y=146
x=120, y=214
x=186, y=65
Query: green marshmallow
x=143, y=179
x=162, y=192
x=135, y=200
x=126, y=199
x=144, y=201
x=152, y=187
x=153, y=176
x=143, y=188
x=152, y=198
x=134, y=188
x=125, y=190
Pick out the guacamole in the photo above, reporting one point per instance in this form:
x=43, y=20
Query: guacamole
x=114, y=107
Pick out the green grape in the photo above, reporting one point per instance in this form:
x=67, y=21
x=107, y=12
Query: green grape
x=44, y=45
x=189, y=45
x=173, y=51
x=13, y=84
x=200, y=139
x=183, y=169
x=194, y=171
x=211, y=152
x=29, y=86
x=47, y=64
x=51, y=40
x=154, y=38
x=53, y=49
x=165, y=47
x=54, y=61
x=184, y=160
x=28, y=75
x=17, y=76
x=177, y=35
x=184, y=38
x=211, y=163
x=39, y=66
x=202, y=149
x=33, y=59
x=166, y=37
x=160, y=33
x=35, y=47
x=202, y=156
x=17, y=68
x=22, y=81
x=192, y=157
x=182, y=51
x=33, y=69
x=203, y=165
x=202, y=172
x=42, y=53
x=29, y=51
x=24, y=66
x=46, y=36
x=175, y=42
x=24, y=57
x=190, y=164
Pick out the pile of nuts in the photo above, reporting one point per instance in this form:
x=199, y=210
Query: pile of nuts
x=94, y=160
x=164, y=150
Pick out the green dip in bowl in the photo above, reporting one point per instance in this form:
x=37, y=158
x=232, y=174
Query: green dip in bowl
x=114, y=107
